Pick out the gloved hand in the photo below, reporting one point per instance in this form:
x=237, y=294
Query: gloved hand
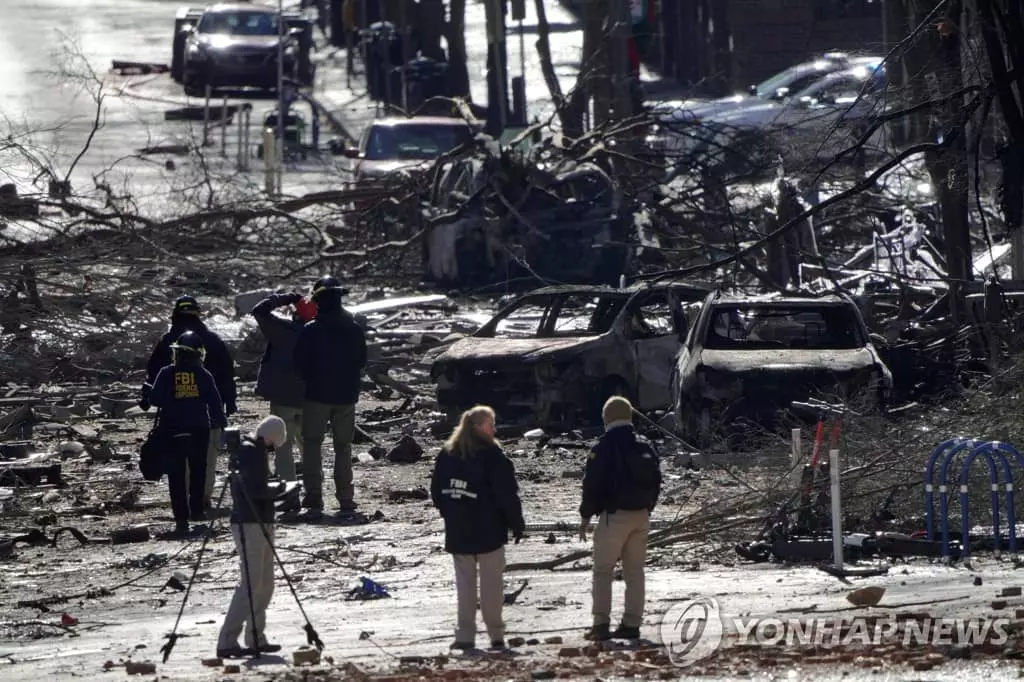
x=293, y=298
x=144, y=403
x=584, y=529
x=230, y=409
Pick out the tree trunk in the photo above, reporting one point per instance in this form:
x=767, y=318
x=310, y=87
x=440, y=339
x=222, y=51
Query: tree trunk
x=458, y=69
x=574, y=111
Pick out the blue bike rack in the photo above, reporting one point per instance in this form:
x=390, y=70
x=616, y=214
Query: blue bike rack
x=987, y=450
x=948, y=450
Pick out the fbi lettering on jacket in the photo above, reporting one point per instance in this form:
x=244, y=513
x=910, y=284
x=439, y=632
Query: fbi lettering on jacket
x=185, y=385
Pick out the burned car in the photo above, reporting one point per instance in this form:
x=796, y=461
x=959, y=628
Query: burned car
x=553, y=356
x=751, y=357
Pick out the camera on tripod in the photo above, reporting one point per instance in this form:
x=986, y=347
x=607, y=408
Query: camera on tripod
x=232, y=440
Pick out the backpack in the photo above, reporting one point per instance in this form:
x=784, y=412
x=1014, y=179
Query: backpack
x=637, y=475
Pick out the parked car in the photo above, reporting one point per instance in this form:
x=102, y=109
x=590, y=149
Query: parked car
x=778, y=88
x=237, y=45
x=392, y=144
x=817, y=123
x=751, y=357
x=553, y=356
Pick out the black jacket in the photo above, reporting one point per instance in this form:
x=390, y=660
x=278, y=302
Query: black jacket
x=330, y=354
x=478, y=497
x=250, y=484
x=623, y=472
x=278, y=381
x=218, y=359
x=188, y=398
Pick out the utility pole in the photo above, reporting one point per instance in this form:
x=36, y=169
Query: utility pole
x=282, y=105
x=621, y=18
x=497, y=67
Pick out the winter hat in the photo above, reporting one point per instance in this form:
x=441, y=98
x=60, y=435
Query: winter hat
x=272, y=430
x=617, y=412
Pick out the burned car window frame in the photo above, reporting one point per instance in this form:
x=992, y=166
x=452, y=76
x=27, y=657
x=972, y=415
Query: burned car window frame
x=850, y=323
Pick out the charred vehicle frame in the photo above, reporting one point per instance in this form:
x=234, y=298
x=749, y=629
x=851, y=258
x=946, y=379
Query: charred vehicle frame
x=578, y=346
x=751, y=357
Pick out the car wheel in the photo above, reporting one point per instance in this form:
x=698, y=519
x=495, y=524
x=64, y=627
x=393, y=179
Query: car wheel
x=698, y=423
x=611, y=386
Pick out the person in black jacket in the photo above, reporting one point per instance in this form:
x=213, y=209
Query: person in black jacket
x=474, y=487
x=252, y=525
x=190, y=406
x=185, y=317
x=330, y=355
x=621, y=484
x=277, y=381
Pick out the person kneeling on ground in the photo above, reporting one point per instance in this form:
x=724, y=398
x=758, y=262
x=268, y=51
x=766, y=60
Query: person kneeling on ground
x=190, y=405
x=474, y=487
x=621, y=485
x=252, y=525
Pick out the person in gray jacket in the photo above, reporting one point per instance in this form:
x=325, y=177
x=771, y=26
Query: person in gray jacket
x=277, y=381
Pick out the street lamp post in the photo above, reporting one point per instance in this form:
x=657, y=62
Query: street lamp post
x=282, y=106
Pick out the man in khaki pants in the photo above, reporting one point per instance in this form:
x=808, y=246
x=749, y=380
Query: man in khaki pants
x=252, y=526
x=621, y=486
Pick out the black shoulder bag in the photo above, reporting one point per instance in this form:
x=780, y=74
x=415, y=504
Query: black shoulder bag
x=153, y=453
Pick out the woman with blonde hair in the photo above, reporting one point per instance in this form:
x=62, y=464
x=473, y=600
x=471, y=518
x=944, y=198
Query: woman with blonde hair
x=474, y=487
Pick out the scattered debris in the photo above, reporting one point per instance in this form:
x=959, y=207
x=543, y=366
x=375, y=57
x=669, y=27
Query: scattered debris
x=408, y=495
x=866, y=596
x=138, y=533
x=142, y=668
x=407, y=451
x=368, y=589
x=306, y=655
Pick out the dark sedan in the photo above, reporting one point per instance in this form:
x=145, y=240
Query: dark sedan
x=236, y=46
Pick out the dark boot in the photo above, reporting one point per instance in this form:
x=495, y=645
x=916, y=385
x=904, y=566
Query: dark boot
x=626, y=632
x=598, y=633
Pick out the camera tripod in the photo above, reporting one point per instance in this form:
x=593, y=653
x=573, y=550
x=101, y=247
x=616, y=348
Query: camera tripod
x=312, y=637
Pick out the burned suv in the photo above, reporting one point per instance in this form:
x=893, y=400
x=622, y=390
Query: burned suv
x=751, y=357
x=554, y=356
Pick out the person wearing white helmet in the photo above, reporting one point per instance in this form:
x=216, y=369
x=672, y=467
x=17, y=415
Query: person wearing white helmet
x=252, y=525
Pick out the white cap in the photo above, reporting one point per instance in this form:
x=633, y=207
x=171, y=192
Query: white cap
x=272, y=430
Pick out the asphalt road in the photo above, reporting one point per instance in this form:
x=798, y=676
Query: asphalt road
x=55, y=59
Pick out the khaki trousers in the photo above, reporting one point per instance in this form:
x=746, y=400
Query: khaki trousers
x=212, y=450
x=622, y=535
x=284, y=460
x=490, y=567
x=257, y=573
x=315, y=418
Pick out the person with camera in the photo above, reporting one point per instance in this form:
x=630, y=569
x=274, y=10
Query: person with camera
x=190, y=406
x=252, y=526
x=621, y=485
x=474, y=487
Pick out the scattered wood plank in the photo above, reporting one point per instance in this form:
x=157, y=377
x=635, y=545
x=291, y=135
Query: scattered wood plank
x=127, y=67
